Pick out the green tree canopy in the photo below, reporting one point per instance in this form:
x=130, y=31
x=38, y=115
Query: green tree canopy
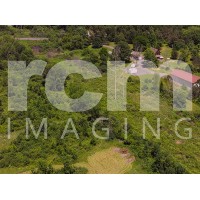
x=150, y=56
x=122, y=52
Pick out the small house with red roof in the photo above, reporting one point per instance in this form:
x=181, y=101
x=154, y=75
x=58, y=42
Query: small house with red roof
x=185, y=78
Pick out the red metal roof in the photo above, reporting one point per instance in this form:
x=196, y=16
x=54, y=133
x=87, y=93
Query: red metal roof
x=185, y=75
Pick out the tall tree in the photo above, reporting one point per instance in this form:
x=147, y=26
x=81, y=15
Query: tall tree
x=150, y=56
x=185, y=55
x=140, y=43
x=97, y=42
x=103, y=59
x=122, y=52
x=174, y=54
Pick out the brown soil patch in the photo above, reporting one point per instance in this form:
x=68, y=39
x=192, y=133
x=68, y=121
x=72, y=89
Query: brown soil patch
x=125, y=154
x=130, y=160
x=36, y=49
x=179, y=142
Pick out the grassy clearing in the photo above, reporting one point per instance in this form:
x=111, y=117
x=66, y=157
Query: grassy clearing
x=113, y=44
x=15, y=170
x=130, y=46
x=107, y=161
x=105, y=158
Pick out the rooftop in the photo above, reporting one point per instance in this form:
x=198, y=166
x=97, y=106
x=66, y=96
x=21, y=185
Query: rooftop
x=185, y=75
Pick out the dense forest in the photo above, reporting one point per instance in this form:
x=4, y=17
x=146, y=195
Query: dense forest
x=96, y=44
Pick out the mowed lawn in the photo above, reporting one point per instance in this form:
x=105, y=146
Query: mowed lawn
x=109, y=161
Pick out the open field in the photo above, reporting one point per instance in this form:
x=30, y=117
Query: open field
x=109, y=161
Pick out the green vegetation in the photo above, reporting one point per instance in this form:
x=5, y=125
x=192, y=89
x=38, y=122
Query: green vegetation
x=166, y=52
x=122, y=52
x=89, y=154
x=150, y=56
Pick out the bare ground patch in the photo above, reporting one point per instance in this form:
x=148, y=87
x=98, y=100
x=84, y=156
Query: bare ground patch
x=179, y=142
x=125, y=154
